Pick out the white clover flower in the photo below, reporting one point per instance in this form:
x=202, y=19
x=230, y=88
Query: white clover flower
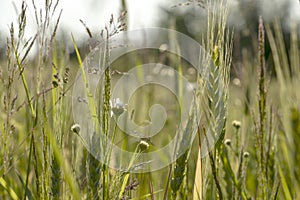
x=117, y=107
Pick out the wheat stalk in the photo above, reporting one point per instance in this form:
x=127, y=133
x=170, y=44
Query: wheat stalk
x=218, y=44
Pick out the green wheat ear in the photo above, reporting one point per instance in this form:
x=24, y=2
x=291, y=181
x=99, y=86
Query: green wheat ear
x=214, y=96
x=215, y=56
x=179, y=172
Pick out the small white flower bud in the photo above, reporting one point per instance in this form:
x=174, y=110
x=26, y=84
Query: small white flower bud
x=246, y=154
x=75, y=128
x=227, y=142
x=117, y=107
x=236, y=124
x=143, y=145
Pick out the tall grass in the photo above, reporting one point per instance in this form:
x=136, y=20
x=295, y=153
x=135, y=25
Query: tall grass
x=255, y=155
x=215, y=94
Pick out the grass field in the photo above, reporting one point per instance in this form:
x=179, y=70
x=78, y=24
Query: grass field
x=253, y=112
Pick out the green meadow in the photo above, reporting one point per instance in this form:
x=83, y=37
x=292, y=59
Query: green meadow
x=248, y=97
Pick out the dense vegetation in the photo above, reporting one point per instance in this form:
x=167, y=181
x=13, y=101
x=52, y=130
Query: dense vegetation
x=257, y=125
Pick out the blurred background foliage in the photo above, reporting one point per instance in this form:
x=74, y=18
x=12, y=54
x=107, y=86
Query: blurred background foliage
x=190, y=19
x=187, y=17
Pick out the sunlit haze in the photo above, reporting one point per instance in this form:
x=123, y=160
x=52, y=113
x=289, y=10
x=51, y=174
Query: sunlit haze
x=94, y=13
x=141, y=13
